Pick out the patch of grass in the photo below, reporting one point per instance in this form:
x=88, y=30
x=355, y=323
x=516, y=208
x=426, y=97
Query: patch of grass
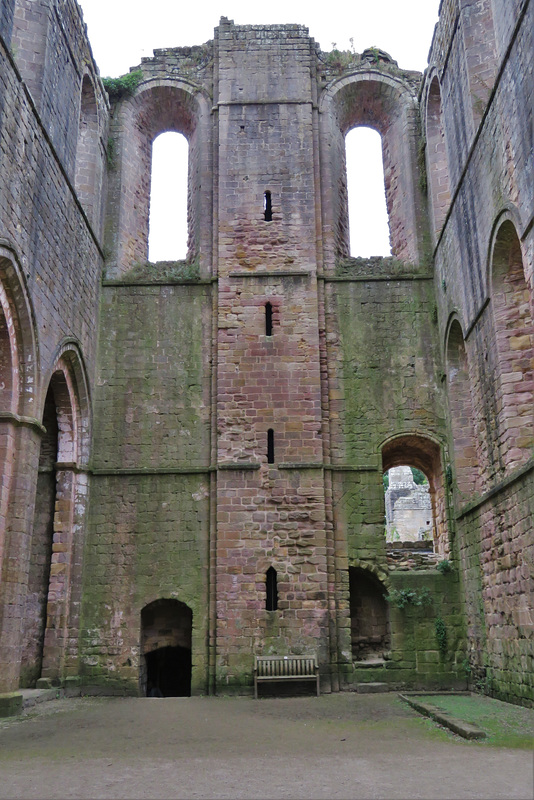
x=163, y=270
x=505, y=725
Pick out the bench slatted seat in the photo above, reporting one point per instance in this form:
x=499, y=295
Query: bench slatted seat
x=285, y=668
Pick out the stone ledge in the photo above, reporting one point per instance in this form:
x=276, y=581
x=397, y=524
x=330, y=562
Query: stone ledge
x=464, y=729
x=237, y=465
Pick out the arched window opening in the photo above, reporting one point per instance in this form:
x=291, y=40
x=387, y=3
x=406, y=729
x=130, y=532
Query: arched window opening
x=408, y=506
x=369, y=616
x=271, y=590
x=270, y=446
x=368, y=215
x=268, y=319
x=87, y=149
x=41, y=547
x=166, y=646
x=436, y=156
x=7, y=385
x=422, y=456
x=267, y=207
x=6, y=357
x=461, y=415
x=167, y=238
x=514, y=331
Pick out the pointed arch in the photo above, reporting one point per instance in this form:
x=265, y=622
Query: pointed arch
x=512, y=310
x=86, y=179
x=461, y=410
x=385, y=103
x=60, y=515
x=158, y=106
x=436, y=158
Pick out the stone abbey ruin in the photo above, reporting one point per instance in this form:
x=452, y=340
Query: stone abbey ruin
x=193, y=452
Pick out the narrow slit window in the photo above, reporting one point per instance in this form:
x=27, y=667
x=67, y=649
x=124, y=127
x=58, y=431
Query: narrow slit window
x=267, y=207
x=270, y=446
x=268, y=319
x=271, y=599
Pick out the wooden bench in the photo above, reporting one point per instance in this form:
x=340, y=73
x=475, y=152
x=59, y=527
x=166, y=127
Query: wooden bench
x=285, y=668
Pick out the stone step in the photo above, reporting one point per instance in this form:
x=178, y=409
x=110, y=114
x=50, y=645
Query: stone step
x=371, y=688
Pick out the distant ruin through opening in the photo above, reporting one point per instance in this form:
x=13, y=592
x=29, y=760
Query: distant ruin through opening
x=408, y=505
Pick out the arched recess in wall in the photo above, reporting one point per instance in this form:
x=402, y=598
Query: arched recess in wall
x=384, y=103
x=480, y=48
x=462, y=419
x=18, y=357
x=436, y=159
x=512, y=308
x=166, y=649
x=369, y=615
x=167, y=237
x=87, y=176
x=157, y=107
x=368, y=214
x=54, y=580
x=423, y=453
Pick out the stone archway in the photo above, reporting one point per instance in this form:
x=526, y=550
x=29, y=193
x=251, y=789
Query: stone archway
x=166, y=648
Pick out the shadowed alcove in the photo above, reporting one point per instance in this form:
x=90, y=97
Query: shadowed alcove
x=166, y=629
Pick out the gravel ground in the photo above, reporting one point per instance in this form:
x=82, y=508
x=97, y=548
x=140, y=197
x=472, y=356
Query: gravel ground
x=336, y=746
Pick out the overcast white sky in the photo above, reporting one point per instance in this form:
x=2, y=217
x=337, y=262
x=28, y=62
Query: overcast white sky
x=123, y=31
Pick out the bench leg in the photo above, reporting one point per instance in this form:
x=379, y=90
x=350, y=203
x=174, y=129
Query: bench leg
x=255, y=687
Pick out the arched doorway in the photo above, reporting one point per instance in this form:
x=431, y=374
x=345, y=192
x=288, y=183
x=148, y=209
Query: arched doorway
x=369, y=616
x=166, y=634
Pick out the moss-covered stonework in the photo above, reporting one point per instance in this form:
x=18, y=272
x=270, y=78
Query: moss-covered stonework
x=175, y=434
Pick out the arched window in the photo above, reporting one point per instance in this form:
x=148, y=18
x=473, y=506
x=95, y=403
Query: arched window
x=368, y=215
x=514, y=332
x=86, y=178
x=169, y=107
x=436, y=158
x=461, y=415
x=384, y=103
x=167, y=238
x=424, y=455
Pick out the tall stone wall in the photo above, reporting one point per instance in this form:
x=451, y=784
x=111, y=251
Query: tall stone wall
x=50, y=273
x=491, y=198
x=198, y=447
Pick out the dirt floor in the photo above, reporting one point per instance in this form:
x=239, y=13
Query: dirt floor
x=335, y=746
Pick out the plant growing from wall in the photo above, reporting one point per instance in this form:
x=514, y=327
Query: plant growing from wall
x=441, y=635
x=406, y=597
x=124, y=86
x=444, y=566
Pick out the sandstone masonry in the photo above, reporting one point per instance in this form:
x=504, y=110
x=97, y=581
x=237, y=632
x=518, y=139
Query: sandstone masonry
x=193, y=452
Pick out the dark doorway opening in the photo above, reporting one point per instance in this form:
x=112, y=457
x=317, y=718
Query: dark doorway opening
x=169, y=672
x=166, y=647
